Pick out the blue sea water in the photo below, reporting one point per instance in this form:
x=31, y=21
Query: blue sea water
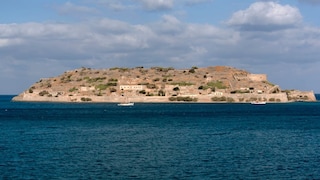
x=159, y=141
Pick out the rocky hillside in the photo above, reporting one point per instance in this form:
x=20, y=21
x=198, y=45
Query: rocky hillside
x=159, y=84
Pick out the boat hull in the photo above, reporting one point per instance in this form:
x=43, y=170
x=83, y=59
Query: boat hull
x=126, y=104
x=259, y=103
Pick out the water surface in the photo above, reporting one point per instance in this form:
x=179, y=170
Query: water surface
x=159, y=141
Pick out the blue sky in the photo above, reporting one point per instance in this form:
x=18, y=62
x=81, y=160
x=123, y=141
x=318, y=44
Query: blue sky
x=41, y=39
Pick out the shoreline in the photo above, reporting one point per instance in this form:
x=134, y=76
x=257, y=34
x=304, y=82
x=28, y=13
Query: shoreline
x=213, y=84
x=150, y=101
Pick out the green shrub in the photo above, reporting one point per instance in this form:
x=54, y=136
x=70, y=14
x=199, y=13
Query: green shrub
x=44, y=92
x=99, y=94
x=93, y=80
x=113, y=90
x=192, y=71
x=162, y=69
x=119, y=69
x=142, y=92
x=203, y=87
x=156, y=79
x=272, y=99
x=112, y=84
x=185, y=99
x=149, y=94
x=182, y=83
x=113, y=80
x=253, y=99
x=216, y=84
x=230, y=99
x=101, y=87
x=151, y=86
x=73, y=89
x=86, y=99
x=222, y=98
x=161, y=93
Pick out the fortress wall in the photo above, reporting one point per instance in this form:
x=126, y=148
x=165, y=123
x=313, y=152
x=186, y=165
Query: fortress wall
x=302, y=95
x=257, y=77
x=246, y=97
x=282, y=97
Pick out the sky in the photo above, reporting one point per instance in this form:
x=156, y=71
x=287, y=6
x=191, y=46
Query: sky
x=41, y=39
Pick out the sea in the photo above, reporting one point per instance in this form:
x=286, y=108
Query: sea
x=159, y=140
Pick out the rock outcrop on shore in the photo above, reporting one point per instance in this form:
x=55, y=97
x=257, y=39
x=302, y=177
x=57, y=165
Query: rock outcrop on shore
x=159, y=84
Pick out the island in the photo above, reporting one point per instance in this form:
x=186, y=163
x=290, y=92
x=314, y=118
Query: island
x=214, y=84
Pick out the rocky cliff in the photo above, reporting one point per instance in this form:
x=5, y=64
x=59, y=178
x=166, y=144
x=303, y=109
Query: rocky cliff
x=159, y=84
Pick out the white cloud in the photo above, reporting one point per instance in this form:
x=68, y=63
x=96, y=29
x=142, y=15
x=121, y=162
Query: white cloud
x=116, y=42
x=168, y=25
x=157, y=4
x=265, y=16
x=70, y=8
x=115, y=5
x=47, y=49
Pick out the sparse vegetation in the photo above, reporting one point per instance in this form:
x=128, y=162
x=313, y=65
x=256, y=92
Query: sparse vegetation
x=212, y=83
x=119, y=69
x=192, y=71
x=142, y=92
x=31, y=89
x=113, y=80
x=101, y=87
x=161, y=93
x=112, y=90
x=44, y=92
x=222, y=98
x=162, y=69
x=97, y=79
x=112, y=84
x=156, y=79
x=151, y=86
x=86, y=99
x=176, y=89
x=203, y=87
x=182, y=83
x=73, y=89
x=180, y=98
x=216, y=84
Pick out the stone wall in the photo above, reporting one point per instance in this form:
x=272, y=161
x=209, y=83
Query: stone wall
x=131, y=87
x=301, y=96
x=257, y=77
x=247, y=97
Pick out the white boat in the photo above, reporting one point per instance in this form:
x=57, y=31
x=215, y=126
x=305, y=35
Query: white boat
x=258, y=102
x=126, y=104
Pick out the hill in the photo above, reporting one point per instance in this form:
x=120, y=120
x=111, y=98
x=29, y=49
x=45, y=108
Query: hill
x=160, y=84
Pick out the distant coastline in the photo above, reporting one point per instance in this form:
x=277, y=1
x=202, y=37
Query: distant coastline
x=216, y=84
x=7, y=98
